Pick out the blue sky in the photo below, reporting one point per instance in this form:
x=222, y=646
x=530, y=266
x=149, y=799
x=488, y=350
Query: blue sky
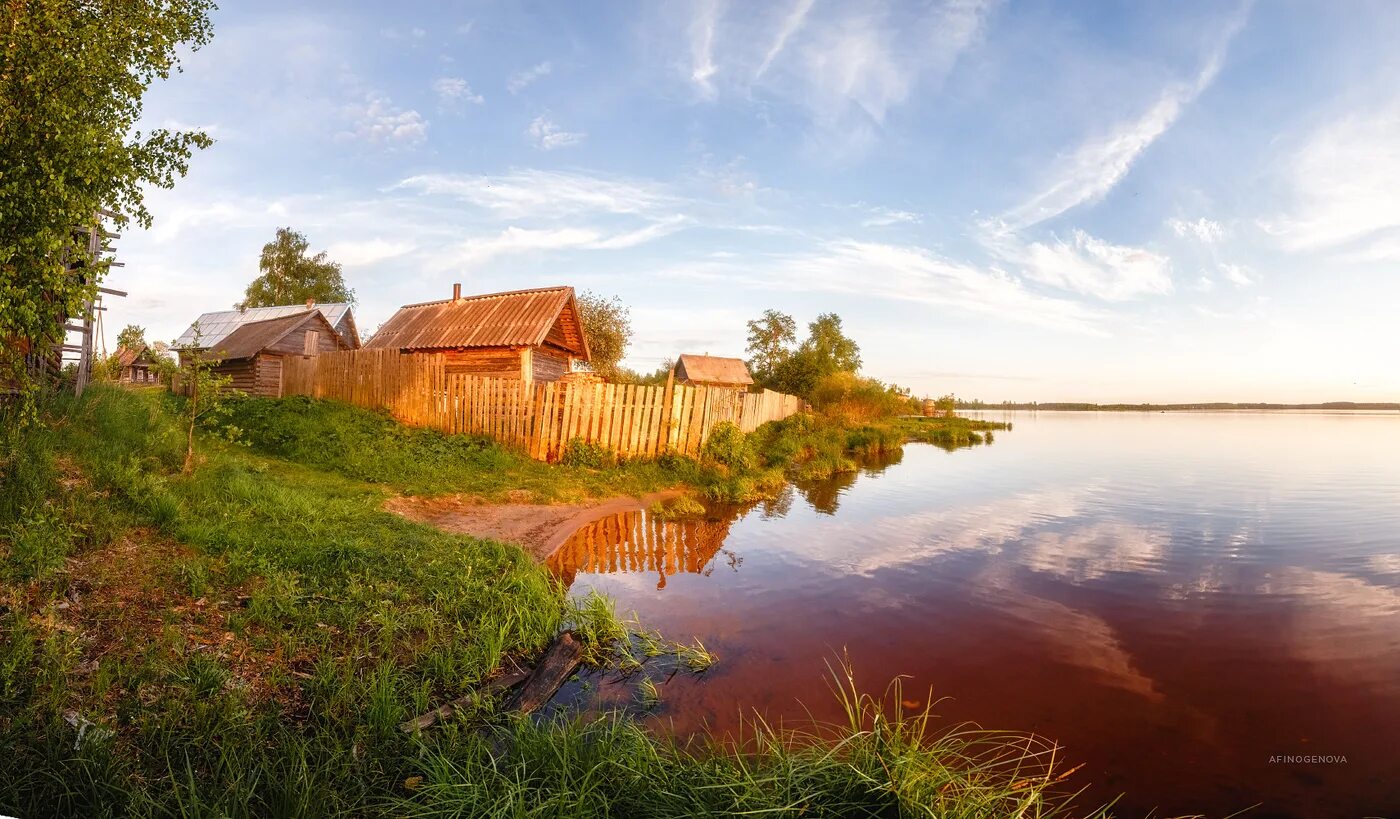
x=1009, y=200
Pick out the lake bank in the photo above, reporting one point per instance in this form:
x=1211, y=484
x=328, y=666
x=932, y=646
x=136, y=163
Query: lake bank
x=287, y=625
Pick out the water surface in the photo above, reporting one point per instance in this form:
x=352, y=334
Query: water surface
x=1177, y=599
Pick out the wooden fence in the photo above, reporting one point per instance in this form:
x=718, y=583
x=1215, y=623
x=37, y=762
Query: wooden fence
x=540, y=417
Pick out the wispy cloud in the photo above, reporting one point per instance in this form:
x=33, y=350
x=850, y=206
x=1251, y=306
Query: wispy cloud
x=904, y=273
x=1203, y=230
x=546, y=135
x=1087, y=265
x=368, y=251
x=1346, y=184
x=455, y=89
x=1238, y=275
x=539, y=193
x=702, y=47
x=517, y=240
x=1095, y=167
x=791, y=23
x=520, y=80
x=378, y=120
x=883, y=217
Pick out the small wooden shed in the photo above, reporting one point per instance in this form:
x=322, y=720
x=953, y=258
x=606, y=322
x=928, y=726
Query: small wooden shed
x=252, y=354
x=713, y=371
x=136, y=365
x=534, y=335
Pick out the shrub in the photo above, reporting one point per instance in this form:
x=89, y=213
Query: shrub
x=578, y=452
x=676, y=509
x=850, y=398
x=727, y=446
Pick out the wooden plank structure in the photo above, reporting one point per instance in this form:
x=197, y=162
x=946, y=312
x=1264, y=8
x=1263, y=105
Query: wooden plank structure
x=540, y=417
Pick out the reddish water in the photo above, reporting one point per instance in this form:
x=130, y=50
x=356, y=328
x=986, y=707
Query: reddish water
x=1177, y=600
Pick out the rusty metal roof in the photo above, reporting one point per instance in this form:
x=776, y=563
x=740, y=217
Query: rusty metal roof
x=256, y=336
x=710, y=369
x=520, y=318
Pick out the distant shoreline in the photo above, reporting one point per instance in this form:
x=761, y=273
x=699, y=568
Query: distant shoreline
x=1072, y=407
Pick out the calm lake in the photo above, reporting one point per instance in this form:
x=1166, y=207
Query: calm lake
x=1179, y=600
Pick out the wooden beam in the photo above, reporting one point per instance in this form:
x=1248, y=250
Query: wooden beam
x=111, y=292
x=556, y=666
x=447, y=711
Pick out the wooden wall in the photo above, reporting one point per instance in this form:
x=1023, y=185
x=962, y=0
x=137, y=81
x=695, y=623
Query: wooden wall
x=495, y=362
x=548, y=365
x=540, y=417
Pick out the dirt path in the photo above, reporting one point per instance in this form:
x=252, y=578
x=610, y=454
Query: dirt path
x=539, y=528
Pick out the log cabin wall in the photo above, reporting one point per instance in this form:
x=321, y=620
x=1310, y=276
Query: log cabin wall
x=243, y=374
x=549, y=365
x=495, y=362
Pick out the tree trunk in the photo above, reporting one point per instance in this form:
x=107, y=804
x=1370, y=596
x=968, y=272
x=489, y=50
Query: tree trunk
x=189, y=438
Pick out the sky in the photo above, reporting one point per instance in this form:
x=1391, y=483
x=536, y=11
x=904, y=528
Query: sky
x=1171, y=201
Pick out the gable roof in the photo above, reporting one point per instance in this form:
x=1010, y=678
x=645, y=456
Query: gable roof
x=126, y=356
x=519, y=318
x=215, y=327
x=711, y=369
x=255, y=336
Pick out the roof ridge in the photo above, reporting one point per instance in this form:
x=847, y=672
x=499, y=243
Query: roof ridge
x=480, y=296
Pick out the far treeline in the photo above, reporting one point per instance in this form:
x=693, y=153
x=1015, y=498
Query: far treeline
x=1217, y=405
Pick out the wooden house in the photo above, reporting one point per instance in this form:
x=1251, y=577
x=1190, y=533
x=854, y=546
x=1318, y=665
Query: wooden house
x=136, y=365
x=534, y=335
x=251, y=356
x=713, y=371
x=211, y=328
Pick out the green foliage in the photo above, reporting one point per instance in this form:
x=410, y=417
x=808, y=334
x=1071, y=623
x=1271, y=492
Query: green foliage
x=204, y=390
x=581, y=453
x=607, y=324
x=290, y=276
x=826, y=351
x=946, y=405
x=853, y=399
x=727, y=446
x=678, y=508
x=771, y=340
x=72, y=78
x=132, y=336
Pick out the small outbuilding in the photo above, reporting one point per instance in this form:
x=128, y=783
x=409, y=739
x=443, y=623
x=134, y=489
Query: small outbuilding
x=211, y=328
x=136, y=365
x=251, y=356
x=534, y=335
x=713, y=371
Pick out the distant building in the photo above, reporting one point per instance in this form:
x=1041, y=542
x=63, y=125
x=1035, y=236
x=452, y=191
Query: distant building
x=136, y=365
x=535, y=335
x=214, y=327
x=251, y=355
x=713, y=371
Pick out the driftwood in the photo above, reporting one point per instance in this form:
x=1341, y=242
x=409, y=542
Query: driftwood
x=446, y=711
x=554, y=668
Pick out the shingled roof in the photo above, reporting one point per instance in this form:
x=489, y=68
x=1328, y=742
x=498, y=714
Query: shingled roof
x=710, y=369
x=519, y=318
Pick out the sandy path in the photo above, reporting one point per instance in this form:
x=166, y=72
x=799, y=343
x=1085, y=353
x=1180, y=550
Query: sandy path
x=539, y=528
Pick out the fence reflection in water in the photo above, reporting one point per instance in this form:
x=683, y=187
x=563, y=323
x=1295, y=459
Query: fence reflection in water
x=643, y=543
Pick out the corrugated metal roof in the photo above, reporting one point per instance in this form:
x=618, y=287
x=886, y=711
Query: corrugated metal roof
x=710, y=369
x=518, y=318
x=256, y=336
x=215, y=327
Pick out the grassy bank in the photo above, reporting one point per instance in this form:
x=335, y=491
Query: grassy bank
x=243, y=641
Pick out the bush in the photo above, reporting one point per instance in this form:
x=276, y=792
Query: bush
x=727, y=446
x=578, y=452
x=850, y=398
x=676, y=509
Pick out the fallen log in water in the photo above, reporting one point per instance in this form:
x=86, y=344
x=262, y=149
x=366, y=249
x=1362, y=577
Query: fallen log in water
x=553, y=670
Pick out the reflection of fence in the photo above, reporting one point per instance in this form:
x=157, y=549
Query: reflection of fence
x=638, y=542
x=630, y=419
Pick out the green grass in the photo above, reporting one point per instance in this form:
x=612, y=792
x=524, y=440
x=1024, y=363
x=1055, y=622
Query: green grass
x=244, y=641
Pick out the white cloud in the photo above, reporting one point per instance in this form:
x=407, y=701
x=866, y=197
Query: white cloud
x=522, y=79
x=702, y=47
x=546, y=135
x=1203, y=230
x=538, y=193
x=515, y=240
x=1237, y=275
x=455, y=89
x=1096, y=166
x=883, y=217
x=791, y=23
x=1346, y=183
x=366, y=252
x=378, y=120
x=1204, y=284
x=1087, y=265
x=903, y=273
